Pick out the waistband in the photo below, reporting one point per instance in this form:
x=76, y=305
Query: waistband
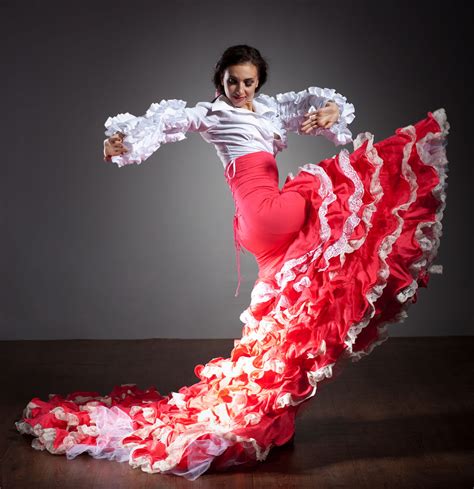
x=245, y=162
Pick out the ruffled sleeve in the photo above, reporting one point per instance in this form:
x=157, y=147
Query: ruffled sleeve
x=164, y=122
x=293, y=105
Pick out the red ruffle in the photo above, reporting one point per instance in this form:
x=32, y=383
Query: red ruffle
x=360, y=236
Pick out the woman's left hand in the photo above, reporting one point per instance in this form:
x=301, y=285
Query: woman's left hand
x=324, y=118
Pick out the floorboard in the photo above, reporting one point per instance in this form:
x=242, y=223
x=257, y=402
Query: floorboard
x=401, y=417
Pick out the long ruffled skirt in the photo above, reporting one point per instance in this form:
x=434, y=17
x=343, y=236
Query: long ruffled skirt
x=342, y=249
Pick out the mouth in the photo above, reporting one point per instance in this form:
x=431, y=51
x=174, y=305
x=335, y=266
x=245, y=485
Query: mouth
x=239, y=99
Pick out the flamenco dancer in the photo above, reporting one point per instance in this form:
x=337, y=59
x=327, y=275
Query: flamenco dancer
x=341, y=250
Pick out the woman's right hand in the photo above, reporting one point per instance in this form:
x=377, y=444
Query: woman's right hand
x=114, y=146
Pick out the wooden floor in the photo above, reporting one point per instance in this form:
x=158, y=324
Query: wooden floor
x=400, y=418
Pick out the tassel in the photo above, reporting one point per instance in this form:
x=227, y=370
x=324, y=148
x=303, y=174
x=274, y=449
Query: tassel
x=237, y=254
x=232, y=165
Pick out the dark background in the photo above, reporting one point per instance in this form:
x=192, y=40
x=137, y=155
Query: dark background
x=90, y=250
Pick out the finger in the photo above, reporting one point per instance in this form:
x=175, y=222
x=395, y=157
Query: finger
x=311, y=120
x=308, y=129
x=309, y=125
x=119, y=146
x=314, y=113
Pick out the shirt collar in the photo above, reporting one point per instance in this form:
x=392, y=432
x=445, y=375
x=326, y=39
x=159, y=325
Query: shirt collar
x=222, y=103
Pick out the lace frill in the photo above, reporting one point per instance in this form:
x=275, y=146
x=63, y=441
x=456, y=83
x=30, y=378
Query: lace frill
x=431, y=151
x=164, y=122
x=292, y=340
x=293, y=105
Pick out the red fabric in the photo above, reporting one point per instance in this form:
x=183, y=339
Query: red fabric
x=341, y=249
x=267, y=219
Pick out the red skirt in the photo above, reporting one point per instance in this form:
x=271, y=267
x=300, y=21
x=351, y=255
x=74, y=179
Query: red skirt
x=341, y=249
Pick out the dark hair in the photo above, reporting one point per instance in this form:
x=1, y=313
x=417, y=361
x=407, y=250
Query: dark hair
x=234, y=55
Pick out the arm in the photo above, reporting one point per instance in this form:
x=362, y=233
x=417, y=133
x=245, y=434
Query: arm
x=164, y=122
x=295, y=110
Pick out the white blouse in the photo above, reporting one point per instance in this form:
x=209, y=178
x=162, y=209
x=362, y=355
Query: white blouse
x=234, y=131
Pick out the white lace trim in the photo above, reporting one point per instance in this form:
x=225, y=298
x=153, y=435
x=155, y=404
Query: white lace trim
x=385, y=249
x=431, y=150
x=325, y=191
x=355, y=202
x=111, y=425
x=342, y=245
x=293, y=105
x=277, y=122
x=257, y=330
x=164, y=122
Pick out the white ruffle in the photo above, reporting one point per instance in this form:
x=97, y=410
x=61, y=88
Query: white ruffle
x=355, y=202
x=112, y=426
x=164, y=122
x=343, y=245
x=169, y=121
x=258, y=329
x=271, y=112
x=293, y=105
x=326, y=192
x=431, y=150
x=385, y=248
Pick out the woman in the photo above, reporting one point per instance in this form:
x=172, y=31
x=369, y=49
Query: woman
x=341, y=251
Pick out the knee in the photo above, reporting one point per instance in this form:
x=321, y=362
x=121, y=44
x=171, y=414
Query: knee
x=284, y=213
x=293, y=206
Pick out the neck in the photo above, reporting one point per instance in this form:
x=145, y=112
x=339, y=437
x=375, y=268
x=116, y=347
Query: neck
x=248, y=105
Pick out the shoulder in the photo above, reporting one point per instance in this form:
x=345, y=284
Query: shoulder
x=203, y=109
x=266, y=105
x=302, y=95
x=266, y=100
x=286, y=97
x=293, y=97
x=204, y=105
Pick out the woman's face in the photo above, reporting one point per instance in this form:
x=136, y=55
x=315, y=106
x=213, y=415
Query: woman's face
x=239, y=82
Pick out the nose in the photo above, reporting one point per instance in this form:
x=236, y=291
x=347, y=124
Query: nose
x=241, y=88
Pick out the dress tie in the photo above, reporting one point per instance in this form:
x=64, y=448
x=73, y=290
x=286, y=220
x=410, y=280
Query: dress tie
x=231, y=164
x=237, y=253
x=236, y=234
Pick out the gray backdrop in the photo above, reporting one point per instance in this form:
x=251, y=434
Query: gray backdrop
x=90, y=250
